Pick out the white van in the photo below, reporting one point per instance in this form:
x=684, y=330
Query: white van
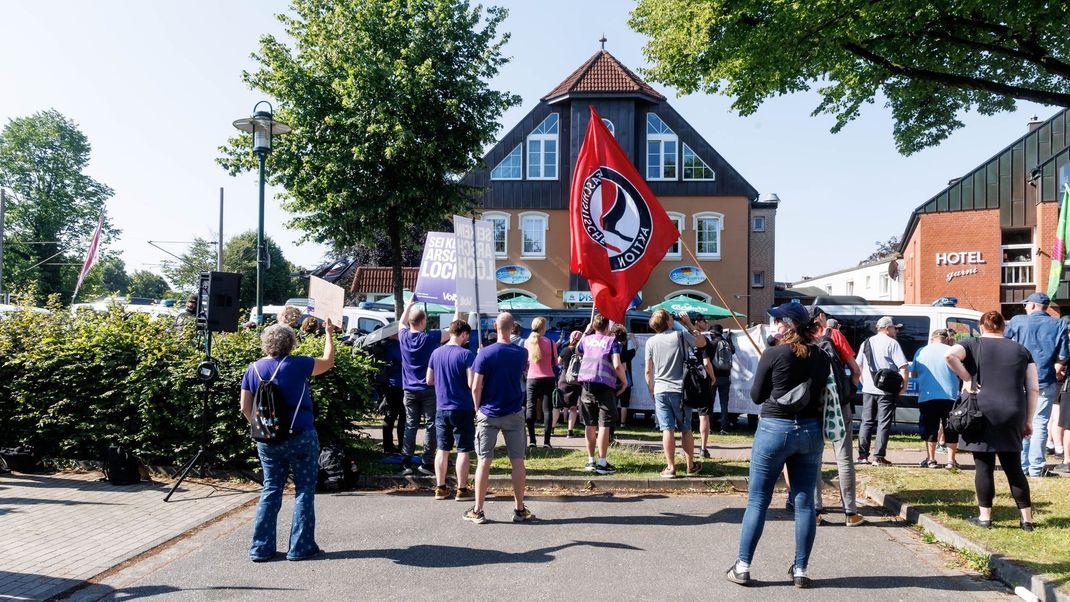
x=364, y=320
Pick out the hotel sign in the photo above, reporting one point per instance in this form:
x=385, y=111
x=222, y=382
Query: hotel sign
x=961, y=258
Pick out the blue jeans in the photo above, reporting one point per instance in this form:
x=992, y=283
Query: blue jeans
x=419, y=404
x=721, y=390
x=1033, y=447
x=777, y=442
x=300, y=454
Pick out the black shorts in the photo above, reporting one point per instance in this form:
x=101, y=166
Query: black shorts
x=934, y=413
x=570, y=394
x=625, y=398
x=1064, y=420
x=598, y=405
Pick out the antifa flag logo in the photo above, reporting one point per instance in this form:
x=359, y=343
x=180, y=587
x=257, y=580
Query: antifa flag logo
x=616, y=217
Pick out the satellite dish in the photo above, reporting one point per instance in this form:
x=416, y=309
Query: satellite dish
x=894, y=268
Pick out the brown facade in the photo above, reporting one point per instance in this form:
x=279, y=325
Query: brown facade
x=955, y=255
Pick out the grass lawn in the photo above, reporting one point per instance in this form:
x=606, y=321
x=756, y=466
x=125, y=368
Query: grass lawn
x=744, y=436
x=949, y=497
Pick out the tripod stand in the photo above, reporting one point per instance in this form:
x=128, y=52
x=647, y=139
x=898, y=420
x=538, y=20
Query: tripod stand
x=206, y=373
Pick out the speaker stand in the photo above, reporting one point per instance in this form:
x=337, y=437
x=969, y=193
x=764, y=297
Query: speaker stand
x=205, y=384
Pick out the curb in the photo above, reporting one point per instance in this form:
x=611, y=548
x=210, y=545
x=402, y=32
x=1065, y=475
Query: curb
x=711, y=484
x=1009, y=572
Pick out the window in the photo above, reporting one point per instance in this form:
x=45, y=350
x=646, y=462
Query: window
x=828, y=289
x=963, y=328
x=686, y=292
x=675, y=251
x=757, y=279
x=533, y=234
x=694, y=167
x=850, y=288
x=510, y=166
x=500, y=222
x=869, y=282
x=708, y=228
x=1017, y=258
x=758, y=223
x=542, y=150
x=884, y=283
x=609, y=126
x=660, y=149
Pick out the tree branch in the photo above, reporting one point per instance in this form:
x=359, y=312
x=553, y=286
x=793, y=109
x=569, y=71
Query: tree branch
x=959, y=81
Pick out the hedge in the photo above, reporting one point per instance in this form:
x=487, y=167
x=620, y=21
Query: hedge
x=73, y=385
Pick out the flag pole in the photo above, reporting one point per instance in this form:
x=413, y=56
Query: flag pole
x=721, y=297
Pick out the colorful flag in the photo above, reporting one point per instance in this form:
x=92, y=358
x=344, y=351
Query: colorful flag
x=90, y=255
x=1058, y=254
x=619, y=230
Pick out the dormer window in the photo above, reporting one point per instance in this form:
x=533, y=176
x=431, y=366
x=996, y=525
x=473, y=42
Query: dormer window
x=660, y=149
x=542, y=149
x=510, y=168
x=694, y=167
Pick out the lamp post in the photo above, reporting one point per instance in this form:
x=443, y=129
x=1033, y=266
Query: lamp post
x=263, y=127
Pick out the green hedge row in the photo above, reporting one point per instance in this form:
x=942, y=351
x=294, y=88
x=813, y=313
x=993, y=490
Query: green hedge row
x=72, y=385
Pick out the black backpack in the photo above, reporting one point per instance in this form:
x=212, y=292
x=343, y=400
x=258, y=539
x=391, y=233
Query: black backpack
x=696, y=386
x=268, y=422
x=722, y=354
x=121, y=467
x=23, y=458
x=843, y=381
x=337, y=471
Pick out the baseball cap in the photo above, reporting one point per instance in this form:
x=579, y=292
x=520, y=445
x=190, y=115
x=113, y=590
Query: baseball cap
x=887, y=321
x=1038, y=297
x=694, y=315
x=792, y=311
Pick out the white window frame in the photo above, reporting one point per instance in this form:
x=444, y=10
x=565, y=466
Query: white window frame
x=542, y=139
x=690, y=292
x=494, y=215
x=684, y=149
x=680, y=220
x=707, y=215
x=869, y=282
x=757, y=279
x=609, y=126
x=518, y=291
x=849, y=287
x=661, y=139
x=884, y=283
x=519, y=147
x=754, y=223
x=526, y=215
x=1017, y=267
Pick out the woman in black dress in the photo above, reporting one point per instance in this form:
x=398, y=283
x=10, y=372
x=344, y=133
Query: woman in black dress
x=1007, y=393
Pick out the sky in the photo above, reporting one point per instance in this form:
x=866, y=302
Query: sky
x=156, y=85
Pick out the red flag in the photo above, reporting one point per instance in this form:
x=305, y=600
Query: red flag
x=619, y=230
x=90, y=255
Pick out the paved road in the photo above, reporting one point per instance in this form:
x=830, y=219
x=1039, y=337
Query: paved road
x=402, y=546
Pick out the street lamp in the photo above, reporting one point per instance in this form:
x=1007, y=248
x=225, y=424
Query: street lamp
x=263, y=127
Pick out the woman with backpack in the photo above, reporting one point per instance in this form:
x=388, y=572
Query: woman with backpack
x=542, y=357
x=570, y=392
x=788, y=383
x=1005, y=379
x=284, y=377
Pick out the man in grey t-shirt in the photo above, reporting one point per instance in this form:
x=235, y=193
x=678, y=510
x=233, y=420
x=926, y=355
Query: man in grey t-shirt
x=666, y=354
x=878, y=407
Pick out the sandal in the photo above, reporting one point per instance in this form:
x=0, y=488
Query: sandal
x=668, y=473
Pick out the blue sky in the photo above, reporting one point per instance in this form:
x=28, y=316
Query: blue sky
x=155, y=87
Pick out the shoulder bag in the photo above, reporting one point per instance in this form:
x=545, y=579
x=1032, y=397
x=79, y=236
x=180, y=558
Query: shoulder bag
x=696, y=385
x=887, y=380
x=966, y=418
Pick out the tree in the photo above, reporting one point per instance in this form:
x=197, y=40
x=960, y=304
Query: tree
x=930, y=60
x=113, y=275
x=884, y=249
x=184, y=274
x=53, y=207
x=389, y=105
x=147, y=284
x=239, y=255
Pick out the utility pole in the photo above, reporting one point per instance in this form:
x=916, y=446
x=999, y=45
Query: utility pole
x=219, y=249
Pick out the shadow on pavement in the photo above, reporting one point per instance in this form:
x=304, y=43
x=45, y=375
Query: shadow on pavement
x=452, y=557
x=881, y=582
x=666, y=519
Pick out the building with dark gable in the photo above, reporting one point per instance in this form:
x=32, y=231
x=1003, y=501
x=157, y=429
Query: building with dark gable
x=526, y=182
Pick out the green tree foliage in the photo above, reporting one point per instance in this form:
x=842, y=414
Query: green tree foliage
x=389, y=105
x=184, y=274
x=144, y=283
x=239, y=255
x=885, y=248
x=75, y=384
x=113, y=274
x=53, y=207
x=930, y=60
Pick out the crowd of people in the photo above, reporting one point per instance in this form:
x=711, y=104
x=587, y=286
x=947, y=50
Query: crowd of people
x=463, y=400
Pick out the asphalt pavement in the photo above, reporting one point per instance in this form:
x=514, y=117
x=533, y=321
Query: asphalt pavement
x=382, y=546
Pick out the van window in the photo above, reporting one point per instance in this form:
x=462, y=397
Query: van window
x=912, y=336
x=963, y=328
x=368, y=324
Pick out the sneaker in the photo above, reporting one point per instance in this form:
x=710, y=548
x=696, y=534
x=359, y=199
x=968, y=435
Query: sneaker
x=818, y=520
x=724, y=432
x=694, y=470
x=407, y=471
x=442, y=492
x=475, y=516
x=737, y=577
x=606, y=468
x=589, y=466
x=952, y=466
x=879, y=461
x=1049, y=449
x=705, y=453
x=1026, y=526
x=424, y=470
x=800, y=581
x=547, y=446
x=464, y=494
x=668, y=473
x=941, y=449
x=927, y=463
x=854, y=520
x=862, y=460
x=569, y=434
x=522, y=515
x=1062, y=468
x=977, y=522
x=1059, y=451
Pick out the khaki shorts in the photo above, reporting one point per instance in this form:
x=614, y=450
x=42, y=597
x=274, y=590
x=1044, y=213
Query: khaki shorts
x=511, y=428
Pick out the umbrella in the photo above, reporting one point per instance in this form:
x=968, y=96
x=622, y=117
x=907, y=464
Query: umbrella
x=520, y=302
x=684, y=303
x=431, y=308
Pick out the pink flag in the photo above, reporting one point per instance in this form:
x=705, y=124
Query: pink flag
x=90, y=255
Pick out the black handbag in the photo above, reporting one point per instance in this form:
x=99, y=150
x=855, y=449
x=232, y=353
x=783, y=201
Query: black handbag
x=966, y=418
x=887, y=380
x=696, y=385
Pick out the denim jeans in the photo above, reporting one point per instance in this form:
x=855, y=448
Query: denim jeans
x=779, y=442
x=721, y=389
x=299, y=454
x=1033, y=446
x=420, y=404
x=671, y=413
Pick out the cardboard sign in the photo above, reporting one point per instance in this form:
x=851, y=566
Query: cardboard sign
x=325, y=300
x=475, y=265
x=437, y=282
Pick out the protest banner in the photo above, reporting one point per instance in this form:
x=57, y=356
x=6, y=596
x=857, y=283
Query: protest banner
x=476, y=288
x=325, y=300
x=436, y=282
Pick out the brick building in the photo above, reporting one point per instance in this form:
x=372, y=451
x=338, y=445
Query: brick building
x=526, y=182
x=987, y=237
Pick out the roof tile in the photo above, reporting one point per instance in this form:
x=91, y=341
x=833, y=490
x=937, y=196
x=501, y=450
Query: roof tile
x=603, y=73
x=378, y=280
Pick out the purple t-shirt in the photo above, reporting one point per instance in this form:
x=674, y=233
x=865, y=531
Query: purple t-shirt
x=597, y=364
x=502, y=366
x=291, y=379
x=416, y=348
x=450, y=364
